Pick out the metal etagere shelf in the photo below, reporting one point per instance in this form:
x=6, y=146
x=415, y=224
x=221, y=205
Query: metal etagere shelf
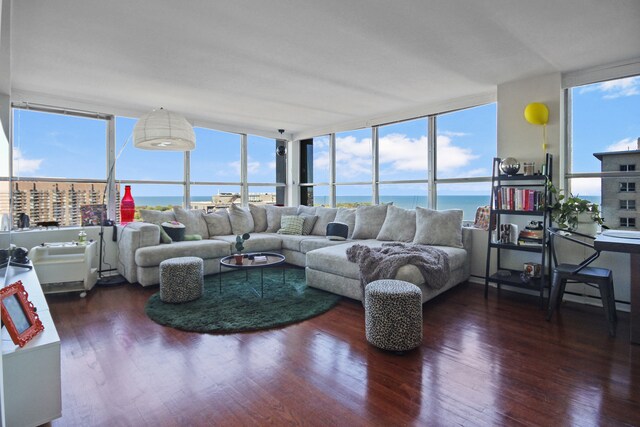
x=509, y=276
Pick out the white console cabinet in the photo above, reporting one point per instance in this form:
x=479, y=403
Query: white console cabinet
x=31, y=374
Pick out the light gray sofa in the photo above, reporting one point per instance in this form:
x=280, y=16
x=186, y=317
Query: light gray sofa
x=327, y=267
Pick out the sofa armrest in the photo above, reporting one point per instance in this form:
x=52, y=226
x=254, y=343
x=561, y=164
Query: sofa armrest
x=132, y=237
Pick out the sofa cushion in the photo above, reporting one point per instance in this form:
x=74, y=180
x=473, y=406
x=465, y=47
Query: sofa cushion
x=291, y=224
x=309, y=222
x=274, y=216
x=314, y=242
x=369, y=220
x=259, y=242
x=439, y=228
x=218, y=223
x=325, y=216
x=241, y=220
x=152, y=256
x=399, y=225
x=333, y=259
x=259, y=214
x=157, y=217
x=193, y=221
x=308, y=210
x=347, y=216
x=292, y=242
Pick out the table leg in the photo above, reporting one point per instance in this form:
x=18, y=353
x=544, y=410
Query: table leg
x=635, y=298
x=262, y=283
x=220, y=276
x=284, y=281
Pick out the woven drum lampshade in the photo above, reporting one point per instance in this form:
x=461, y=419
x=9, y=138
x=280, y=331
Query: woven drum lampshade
x=163, y=130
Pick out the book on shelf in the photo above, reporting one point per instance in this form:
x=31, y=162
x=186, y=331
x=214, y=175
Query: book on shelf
x=529, y=242
x=518, y=199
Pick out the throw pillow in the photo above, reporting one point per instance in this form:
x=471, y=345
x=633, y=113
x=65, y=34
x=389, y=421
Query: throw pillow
x=192, y=237
x=192, y=219
x=308, y=210
x=259, y=214
x=399, y=225
x=325, y=216
x=175, y=230
x=291, y=224
x=157, y=217
x=347, y=216
x=309, y=222
x=218, y=223
x=274, y=216
x=439, y=228
x=241, y=220
x=164, y=237
x=369, y=220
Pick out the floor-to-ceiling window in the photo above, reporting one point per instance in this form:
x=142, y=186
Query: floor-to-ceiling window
x=465, y=147
x=156, y=177
x=59, y=165
x=263, y=170
x=392, y=161
x=603, y=156
x=403, y=163
x=315, y=163
x=353, y=168
x=215, y=169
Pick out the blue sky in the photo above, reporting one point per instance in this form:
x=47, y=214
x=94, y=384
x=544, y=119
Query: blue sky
x=605, y=118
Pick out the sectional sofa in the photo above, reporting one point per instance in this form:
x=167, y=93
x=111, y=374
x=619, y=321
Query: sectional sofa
x=326, y=263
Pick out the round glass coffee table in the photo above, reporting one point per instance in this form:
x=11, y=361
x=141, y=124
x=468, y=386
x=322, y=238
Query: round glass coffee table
x=251, y=261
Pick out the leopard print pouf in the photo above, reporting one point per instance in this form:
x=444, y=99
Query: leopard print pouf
x=393, y=315
x=181, y=279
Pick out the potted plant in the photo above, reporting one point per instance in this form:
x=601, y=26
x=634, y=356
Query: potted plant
x=240, y=247
x=568, y=210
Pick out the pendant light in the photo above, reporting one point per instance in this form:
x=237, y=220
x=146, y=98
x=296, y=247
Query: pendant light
x=163, y=130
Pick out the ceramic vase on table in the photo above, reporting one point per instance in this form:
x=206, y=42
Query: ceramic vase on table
x=127, y=206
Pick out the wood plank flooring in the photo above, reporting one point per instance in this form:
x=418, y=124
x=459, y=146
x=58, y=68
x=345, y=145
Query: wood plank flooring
x=482, y=362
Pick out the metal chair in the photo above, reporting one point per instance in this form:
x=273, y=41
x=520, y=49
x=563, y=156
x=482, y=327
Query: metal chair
x=601, y=278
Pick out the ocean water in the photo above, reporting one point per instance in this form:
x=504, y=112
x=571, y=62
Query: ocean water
x=468, y=204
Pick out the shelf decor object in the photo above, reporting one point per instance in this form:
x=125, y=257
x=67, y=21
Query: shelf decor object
x=519, y=202
x=127, y=206
x=19, y=314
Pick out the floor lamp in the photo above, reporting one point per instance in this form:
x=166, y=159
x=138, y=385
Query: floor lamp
x=160, y=130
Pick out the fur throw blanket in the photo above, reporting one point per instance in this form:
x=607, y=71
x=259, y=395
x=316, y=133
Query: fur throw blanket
x=384, y=262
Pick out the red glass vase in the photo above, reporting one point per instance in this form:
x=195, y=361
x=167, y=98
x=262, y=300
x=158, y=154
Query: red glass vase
x=127, y=206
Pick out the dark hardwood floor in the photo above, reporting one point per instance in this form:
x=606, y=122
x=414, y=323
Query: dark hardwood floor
x=482, y=362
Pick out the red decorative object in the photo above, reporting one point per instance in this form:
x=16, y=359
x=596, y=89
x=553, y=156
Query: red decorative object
x=19, y=314
x=127, y=206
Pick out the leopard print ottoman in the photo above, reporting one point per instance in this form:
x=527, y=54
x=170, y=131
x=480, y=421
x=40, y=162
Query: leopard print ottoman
x=181, y=279
x=393, y=314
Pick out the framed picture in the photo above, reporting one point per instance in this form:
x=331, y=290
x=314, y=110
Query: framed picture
x=19, y=314
x=93, y=215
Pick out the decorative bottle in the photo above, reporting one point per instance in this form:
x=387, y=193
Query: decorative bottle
x=127, y=206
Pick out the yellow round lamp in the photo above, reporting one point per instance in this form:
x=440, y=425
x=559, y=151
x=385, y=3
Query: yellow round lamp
x=537, y=113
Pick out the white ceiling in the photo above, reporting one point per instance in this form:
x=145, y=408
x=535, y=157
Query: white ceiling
x=307, y=64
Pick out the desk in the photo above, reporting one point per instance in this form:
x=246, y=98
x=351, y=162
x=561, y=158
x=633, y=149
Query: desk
x=632, y=247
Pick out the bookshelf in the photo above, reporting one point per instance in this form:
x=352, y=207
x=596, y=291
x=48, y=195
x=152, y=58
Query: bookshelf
x=525, y=198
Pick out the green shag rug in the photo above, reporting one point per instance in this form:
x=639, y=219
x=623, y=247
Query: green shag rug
x=238, y=308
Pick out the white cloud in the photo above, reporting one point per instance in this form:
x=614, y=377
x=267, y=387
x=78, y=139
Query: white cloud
x=452, y=157
x=24, y=166
x=623, y=145
x=398, y=153
x=451, y=133
x=629, y=86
